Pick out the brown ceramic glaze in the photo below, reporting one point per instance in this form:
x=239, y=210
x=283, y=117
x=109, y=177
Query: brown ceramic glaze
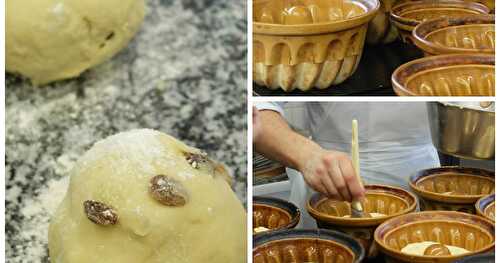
x=308, y=43
x=380, y=28
x=490, y=211
x=303, y=250
x=485, y=207
x=446, y=75
x=468, y=34
x=452, y=188
x=318, y=246
x=471, y=232
x=488, y=3
x=270, y=217
x=406, y=16
x=388, y=200
x=274, y=213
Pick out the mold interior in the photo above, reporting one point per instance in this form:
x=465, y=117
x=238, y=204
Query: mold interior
x=446, y=232
x=476, y=36
x=269, y=217
x=302, y=250
x=489, y=211
x=437, y=12
x=457, y=80
x=381, y=203
x=293, y=12
x=457, y=184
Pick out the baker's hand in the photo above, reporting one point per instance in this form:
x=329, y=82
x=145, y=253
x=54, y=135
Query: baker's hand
x=257, y=129
x=332, y=174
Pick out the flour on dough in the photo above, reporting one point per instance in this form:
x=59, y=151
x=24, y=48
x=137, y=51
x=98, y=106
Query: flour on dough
x=48, y=40
x=115, y=209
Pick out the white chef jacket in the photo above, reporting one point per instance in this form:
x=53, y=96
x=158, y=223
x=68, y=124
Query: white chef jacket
x=394, y=140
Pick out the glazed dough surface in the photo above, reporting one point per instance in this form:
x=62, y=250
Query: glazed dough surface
x=210, y=227
x=48, y=40
x=419, y=248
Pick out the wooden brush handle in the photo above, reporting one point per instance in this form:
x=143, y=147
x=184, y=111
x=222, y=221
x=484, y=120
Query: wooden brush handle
x=355, y=150
x=356, y=204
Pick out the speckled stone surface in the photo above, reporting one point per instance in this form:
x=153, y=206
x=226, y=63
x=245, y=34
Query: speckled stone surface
x=183, y=74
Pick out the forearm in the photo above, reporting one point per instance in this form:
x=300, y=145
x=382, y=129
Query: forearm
x=279, y=142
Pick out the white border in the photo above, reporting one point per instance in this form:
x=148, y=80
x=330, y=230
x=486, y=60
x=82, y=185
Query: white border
x=249, y=135
x=2, y=131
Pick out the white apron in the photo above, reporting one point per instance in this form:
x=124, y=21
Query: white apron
x=394, y=142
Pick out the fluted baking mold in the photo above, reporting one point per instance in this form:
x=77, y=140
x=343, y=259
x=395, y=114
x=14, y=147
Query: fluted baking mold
x=389, y=200
x=407, y=15
x=471, y=232
x=319, y=44
x=467, y=34
x=274, y=213
x=446, y=75
x=452, y=188
x=318, y=245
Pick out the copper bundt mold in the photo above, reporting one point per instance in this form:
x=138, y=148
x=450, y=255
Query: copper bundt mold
x=407, y=15
x=467, y=34
x=471, y=232
x=318, y=44
x=446, y=75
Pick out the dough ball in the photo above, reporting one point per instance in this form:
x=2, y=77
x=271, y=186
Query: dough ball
x=48, y=40
x=143, y=196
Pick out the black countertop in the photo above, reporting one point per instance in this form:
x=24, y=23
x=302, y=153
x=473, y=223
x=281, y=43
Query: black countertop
x=372, y=78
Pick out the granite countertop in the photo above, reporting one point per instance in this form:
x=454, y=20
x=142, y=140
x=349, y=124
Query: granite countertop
x=183, y=74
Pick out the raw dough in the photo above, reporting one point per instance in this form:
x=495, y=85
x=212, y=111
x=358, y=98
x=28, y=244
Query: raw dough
x=374, y=215
x=260, y=229
x=419, y=248
x=207, y=225
x=48, y=40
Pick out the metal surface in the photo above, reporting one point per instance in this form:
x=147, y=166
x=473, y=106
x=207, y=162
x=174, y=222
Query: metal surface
x=462, y=131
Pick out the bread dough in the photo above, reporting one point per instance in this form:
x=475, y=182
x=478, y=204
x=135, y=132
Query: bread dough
x=374, y=215
x=48, y=40
x=260, y=229
x=377, y=215
x=419, y=248
x=208, y=224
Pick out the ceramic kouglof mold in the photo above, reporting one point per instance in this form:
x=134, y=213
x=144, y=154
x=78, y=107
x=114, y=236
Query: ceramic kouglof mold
x=407, y=15
x=452, y=188
x=446, y=75
x=463, y=234
x=468, y=34
x=380, y=28
x=381, y=202
x=270, y=214
x=300, y=245
x=485, y=207
x=308, y=43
